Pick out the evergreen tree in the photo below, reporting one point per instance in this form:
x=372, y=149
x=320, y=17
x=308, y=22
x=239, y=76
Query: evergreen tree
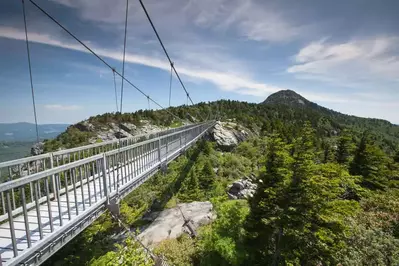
x=315, y=213
x=396, y=157
x=190, y=190
x=300, y=210
x=345, y=148
x=328, y=151
x=207, y=148
x=207, y=176
x=371, y=163
x=304, y=155
x=266, y=219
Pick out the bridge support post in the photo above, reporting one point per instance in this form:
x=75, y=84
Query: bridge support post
x=159, y=149
x=52, y=177
x=105, y=183
x=113, y=206
x=180, y=138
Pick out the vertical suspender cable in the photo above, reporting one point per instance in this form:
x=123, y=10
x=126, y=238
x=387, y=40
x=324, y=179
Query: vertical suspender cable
x=116, y=93
x=167, y=55
x=97, y=56
x=123, y=74
x=170, y=83
x=124, y=54
x=30, y=72
x=121, y=103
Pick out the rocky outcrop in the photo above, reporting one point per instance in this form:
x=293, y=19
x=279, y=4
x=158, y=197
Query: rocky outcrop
x=37, y=149
x=129, y=127
x=227, y=135
x=113, y=132
x=241, y=189
x=170, y=223
x=85, y=126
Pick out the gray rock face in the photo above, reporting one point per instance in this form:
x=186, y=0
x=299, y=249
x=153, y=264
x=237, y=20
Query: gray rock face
x=241, y=189
x=126, y=130
x=227, y=135
x=129, y=127
x=170, y=223
x=85, y=126
x=37, y=149
x=239, y=185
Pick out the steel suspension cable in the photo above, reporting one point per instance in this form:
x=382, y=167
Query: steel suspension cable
x=121, y=103
x=166, y=53
x=30, y=72
x=124, y=53
x=98, y=57
x=116, y=93
x=137, y=239
x=170, y=84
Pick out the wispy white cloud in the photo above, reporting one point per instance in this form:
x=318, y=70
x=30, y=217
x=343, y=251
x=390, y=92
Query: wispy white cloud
x=224, y=80
x=60, y=107
x=261, y=23
x=248, y=18
x=357, y=62
x=232, y=82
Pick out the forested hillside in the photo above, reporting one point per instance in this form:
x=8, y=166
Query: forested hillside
x=327, y=191
x=281, y=112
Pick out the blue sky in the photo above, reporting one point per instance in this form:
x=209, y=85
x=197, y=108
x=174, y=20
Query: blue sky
x=342, y=54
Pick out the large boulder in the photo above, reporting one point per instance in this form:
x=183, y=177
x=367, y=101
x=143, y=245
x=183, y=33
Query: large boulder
x=227, y=135
x=241, y=189
x=170, y=223
x=85, y=126
x=129, y=127
x=37, y=149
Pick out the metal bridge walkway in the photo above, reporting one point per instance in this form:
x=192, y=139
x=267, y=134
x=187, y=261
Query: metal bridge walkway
x=68, y=198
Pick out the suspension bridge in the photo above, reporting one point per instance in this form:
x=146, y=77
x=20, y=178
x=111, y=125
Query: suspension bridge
x=64, y=192
x=48, y=199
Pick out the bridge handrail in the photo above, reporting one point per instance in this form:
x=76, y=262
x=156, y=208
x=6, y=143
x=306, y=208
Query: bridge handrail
x=80, y=148
x=36, y=176
x=104, y=143
x=26, y=166
x=24, y=160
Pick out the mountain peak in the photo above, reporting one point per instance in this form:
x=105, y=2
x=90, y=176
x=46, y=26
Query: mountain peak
x=287, y=97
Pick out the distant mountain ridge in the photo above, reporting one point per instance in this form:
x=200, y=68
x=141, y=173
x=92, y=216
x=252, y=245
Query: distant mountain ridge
x=24, y=131
x=293, y=99
x=287, y=97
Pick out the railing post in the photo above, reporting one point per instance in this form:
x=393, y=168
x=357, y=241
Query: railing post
x=180, y=139
x=11, y=222
x=105, y=183
x=53, y=176
x=159, y=149
x=167, y=148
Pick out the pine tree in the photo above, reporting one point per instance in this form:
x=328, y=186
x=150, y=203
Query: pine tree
x=304, y=154
x=309, y=236
x=396, y=157
x=328, y=151
x=207, y=176
x=300, y=210
x=345, y=148
x=266, y=218
x=207, y=148
x=190, y=190
x=371, y=163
